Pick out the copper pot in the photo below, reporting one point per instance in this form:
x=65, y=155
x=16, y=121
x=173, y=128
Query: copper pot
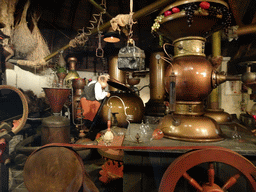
x=193, y=78
x=126, y=106
x=78, y=83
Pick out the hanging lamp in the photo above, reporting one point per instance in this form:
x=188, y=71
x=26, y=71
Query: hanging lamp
x=111, y=36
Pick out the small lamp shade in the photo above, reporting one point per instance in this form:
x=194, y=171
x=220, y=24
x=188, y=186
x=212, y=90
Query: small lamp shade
x=111, y=36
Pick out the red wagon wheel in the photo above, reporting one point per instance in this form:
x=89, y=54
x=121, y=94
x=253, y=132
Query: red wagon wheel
x=180, y=166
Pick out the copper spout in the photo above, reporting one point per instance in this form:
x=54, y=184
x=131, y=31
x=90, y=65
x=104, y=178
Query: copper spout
x=218, y=78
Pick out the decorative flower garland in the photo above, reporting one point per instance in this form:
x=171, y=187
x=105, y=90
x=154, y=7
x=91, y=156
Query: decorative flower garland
x=203, y=8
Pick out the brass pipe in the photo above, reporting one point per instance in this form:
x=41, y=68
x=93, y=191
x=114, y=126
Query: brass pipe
x=246, y=29
x=144, y=11
x=233, y=78
x=157, y=68
x=214, y=111
x=216, y=51
x=216, y=44
x=115, y=73
x=97, y=6
x=55, y=53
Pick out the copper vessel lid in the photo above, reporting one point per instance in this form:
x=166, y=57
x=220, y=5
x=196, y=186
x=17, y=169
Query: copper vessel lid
x=118, y=85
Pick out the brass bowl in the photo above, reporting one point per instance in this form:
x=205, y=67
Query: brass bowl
x=191, y=128
x=78, y=83
x=175, y=25
x=133, y=81
x=182, y=2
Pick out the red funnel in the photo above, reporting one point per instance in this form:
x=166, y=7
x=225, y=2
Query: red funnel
x=57, y=97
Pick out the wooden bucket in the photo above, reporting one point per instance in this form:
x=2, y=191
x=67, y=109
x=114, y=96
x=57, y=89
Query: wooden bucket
x=55, y=168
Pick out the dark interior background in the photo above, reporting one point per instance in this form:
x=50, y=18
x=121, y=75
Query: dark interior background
x=61, y=20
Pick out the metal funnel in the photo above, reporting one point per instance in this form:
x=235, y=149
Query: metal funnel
x=57, y=97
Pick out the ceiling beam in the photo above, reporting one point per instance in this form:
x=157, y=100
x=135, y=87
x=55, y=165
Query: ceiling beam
x=143, y=12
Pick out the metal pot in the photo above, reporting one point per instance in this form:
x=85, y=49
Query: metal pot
x=192, y=70
x=193, y=78
x=126, y=106
x=55, y=129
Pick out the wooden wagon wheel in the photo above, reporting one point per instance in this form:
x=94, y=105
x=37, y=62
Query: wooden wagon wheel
x=24, y=105
x=182, y=164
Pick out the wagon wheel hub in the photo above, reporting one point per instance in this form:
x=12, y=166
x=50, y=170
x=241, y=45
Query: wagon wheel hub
x=211, y=188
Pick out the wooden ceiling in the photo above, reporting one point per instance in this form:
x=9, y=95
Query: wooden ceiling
x=69, y=16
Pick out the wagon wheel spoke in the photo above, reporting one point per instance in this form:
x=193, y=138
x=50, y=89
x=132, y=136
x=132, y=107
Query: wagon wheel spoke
x=211, y=174
x=180, y=167
x=232, y=180
x=192, y=182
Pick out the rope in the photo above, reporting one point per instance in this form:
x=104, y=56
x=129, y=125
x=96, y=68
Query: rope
x=123, y=20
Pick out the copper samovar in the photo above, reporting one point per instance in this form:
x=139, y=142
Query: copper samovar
x=190, y=78
x=195, y=79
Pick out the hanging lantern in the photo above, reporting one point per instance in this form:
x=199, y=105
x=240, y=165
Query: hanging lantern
x=131, y=58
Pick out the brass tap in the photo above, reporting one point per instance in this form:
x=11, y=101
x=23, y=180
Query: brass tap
x=218, y=78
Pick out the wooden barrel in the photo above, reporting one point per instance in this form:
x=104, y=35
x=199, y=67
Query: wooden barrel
x=54, y=169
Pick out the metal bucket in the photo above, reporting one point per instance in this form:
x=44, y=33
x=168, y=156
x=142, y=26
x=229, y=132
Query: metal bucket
x=55, y=129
